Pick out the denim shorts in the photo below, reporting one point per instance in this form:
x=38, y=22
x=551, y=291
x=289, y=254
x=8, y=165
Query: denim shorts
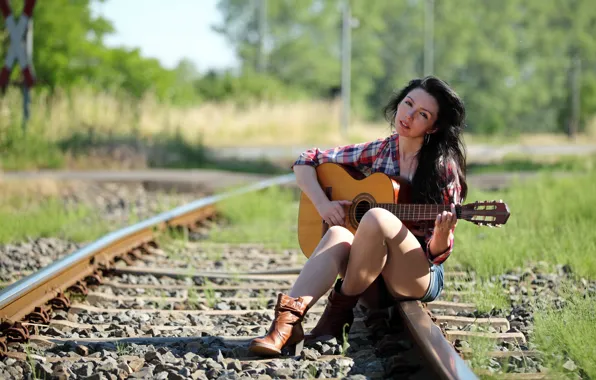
x=434, y=290
x=435, y=287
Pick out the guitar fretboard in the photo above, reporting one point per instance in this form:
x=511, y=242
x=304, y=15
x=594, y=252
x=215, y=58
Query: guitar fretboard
x=414, y=212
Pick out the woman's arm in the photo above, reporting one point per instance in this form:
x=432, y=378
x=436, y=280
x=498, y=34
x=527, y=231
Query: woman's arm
x=439, y=241
x=358, y=155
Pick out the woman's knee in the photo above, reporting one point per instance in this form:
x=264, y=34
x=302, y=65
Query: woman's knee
x=340, y=234
x=337, y=242
x=336, y=246
x=379, y=220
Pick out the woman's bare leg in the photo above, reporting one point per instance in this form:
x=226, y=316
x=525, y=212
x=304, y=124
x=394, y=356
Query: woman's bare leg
x=382, y=244
x=321, y=269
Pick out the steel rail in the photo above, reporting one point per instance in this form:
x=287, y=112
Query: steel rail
x=440, y=353
x=20, y=298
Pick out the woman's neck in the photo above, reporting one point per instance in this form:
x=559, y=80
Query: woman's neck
x=409, y=147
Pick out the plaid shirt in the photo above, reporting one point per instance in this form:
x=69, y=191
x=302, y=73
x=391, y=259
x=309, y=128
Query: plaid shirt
x=382, y=155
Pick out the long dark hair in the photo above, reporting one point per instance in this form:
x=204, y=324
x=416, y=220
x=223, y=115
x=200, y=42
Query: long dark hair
x=439, y=148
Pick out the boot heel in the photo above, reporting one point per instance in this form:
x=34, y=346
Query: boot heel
x=296, y=348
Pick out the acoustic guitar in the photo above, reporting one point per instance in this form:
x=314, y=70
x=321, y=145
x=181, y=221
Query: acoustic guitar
x=341, y=182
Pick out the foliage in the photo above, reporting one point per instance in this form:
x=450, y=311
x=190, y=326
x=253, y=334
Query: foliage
x=511, y=60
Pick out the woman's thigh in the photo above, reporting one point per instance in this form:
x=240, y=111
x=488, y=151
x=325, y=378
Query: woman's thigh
x=406, y=273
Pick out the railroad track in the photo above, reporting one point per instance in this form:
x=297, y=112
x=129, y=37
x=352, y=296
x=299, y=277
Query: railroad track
x=124, y=306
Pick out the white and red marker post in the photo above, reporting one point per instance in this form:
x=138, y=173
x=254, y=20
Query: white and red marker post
x=20, y=50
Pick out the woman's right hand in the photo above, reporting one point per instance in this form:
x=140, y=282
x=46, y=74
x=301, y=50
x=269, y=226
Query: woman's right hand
x=333, y=212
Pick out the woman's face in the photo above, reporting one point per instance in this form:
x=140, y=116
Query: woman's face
x=416, y=114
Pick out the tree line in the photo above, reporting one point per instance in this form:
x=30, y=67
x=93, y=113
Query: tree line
x=520, y=65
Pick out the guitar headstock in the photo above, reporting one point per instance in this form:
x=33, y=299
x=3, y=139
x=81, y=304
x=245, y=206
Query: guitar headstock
x=487, y=213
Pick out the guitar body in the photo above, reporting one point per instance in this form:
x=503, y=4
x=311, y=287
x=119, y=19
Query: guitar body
x=345, y=183
x=380, y=190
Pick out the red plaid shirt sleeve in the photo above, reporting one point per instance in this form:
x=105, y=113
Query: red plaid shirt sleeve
x=451, y=194
x=358, y=155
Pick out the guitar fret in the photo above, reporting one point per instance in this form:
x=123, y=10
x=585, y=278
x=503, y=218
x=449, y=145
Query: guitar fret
x=414, y=211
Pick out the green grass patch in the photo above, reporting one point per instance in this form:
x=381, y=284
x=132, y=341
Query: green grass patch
x=552, y=220
x=267, y=217
x=50, y=218
x=568, y=333
x=487, y=296
x=526, y=163
x=25, y=151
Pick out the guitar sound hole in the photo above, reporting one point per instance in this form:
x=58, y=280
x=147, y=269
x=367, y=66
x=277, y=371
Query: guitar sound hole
x=361, y=208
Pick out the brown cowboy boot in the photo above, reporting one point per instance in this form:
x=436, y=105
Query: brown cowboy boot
x=338, y=312
x=286, y=328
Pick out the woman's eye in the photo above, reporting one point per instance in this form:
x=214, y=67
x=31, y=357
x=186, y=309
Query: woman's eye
x=424, y=115
x=408, y=103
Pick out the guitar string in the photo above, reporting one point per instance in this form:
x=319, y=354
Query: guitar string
x=410, y=211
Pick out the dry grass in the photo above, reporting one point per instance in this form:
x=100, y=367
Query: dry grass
x=215, y=124
x=16, y=193
x=286, y=124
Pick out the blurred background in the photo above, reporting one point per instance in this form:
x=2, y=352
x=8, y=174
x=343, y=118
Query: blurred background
x=135, y=83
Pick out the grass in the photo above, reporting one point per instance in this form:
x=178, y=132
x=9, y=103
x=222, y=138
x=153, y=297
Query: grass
x=50, y=219
x=487, y=296
x=551, y=220
x=57, y=124
x=34, y=209
x=568, y=333
x=538, y=163
x=76, y=129
x=267, y=217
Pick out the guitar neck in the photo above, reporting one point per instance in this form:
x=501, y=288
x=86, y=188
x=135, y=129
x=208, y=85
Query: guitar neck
x=416, y=212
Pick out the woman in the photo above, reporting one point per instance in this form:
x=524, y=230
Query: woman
x=383, y=261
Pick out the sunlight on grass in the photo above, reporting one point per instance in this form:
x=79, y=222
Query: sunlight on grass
x=541, y=163
x=480, y=348
x=267, y=217
x=552, y=219
x=63, y=114
x=33, y=209
x=50, y=218
x=569, y=331
x=487, y=296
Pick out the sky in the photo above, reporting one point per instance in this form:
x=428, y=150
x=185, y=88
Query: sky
x=180, y=29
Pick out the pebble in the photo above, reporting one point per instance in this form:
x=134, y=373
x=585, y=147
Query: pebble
x=528, y=286
x=209, y=357
x=118, y=205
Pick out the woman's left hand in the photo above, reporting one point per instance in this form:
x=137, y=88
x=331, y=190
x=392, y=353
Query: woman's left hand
x=446, y=220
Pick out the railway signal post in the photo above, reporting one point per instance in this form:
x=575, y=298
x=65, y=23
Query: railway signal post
x=20, y=50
